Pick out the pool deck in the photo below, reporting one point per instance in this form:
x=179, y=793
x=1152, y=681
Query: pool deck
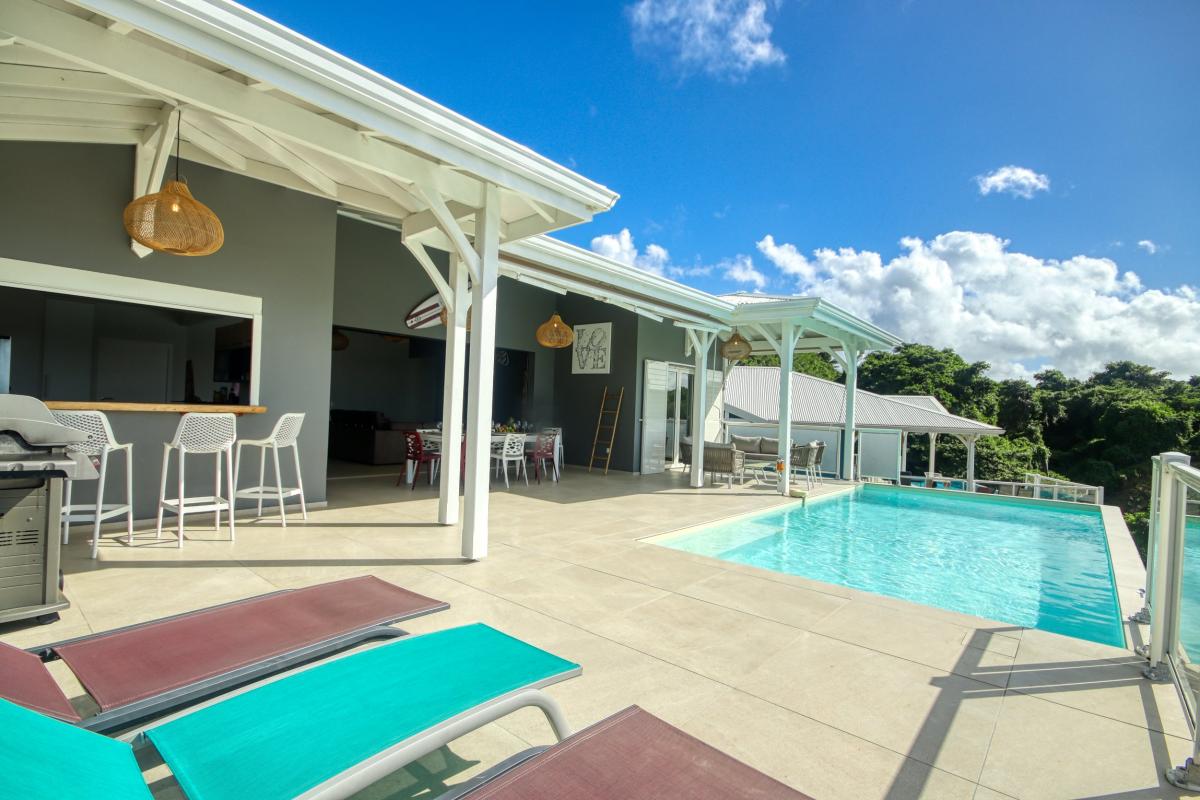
x=840, y=693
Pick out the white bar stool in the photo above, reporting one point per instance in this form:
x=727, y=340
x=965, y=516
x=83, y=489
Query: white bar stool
x=286, y=431
x=200, y=433
x=102, y=442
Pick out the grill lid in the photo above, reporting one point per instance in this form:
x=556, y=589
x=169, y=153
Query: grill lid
x=34, y=426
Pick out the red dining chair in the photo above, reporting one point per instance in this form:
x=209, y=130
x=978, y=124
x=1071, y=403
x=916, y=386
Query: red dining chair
x=543, y=451
x=415, y=452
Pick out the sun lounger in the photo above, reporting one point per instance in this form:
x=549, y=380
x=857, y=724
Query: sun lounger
x=147, y=670
x=631, y=755
x=327, y=730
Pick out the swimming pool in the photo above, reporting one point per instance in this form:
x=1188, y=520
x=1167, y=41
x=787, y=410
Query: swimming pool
x=1014, y=561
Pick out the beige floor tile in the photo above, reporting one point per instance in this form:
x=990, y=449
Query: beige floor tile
x=578, y=594
x=654, y=566
x=983, y=653
x=1112, y=688
x=714, y=641
x=817, y=759
x=791, y=605
x=1046, y=750
x=930, y=715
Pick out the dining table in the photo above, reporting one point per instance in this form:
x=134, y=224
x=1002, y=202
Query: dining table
x=434, y=437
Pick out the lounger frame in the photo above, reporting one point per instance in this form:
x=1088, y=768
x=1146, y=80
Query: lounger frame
x=155, y=707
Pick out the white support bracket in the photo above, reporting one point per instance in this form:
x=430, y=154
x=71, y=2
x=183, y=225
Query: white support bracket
x=450, y=226
x=431, y=271
x=150, y=161
x=775, y=343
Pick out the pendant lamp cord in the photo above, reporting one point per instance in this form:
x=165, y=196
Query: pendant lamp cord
x=178, y=125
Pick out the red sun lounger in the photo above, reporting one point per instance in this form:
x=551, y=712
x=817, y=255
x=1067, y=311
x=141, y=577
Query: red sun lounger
x=631, y=755
x=146, y=670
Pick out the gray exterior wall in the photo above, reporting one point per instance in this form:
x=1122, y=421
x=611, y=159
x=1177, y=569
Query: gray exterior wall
x=61, y=204
x=579, y=395
x=378, y=282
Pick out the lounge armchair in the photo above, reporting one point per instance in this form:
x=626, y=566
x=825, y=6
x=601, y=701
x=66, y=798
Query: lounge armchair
x=146, y=670
x=719, y=459
x=328, y=730
x=632, y=755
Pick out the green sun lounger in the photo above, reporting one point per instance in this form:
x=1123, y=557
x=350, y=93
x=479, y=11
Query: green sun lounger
x=326, y=731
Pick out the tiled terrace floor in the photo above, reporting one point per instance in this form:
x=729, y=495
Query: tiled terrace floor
x=839, y=693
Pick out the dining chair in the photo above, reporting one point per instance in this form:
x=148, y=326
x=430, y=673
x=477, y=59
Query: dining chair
x=512, y=451
x=417, y=454
x=543, y=451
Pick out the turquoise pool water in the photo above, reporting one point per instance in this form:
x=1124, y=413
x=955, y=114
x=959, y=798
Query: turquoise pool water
x=1022, y=563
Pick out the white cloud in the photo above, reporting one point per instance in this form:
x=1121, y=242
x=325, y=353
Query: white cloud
x=1149, y=246
x=741, y=269
x=620, y=247
x=970, y=292
x=726, y=39
x=787, y=258
x=1017, y=181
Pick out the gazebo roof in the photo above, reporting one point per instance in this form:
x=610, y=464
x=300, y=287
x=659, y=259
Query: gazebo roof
x=752, y=393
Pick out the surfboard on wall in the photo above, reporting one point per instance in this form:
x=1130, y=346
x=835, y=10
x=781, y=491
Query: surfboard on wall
x=425, y=314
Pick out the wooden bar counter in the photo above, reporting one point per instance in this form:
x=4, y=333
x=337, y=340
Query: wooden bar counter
x=153, y=408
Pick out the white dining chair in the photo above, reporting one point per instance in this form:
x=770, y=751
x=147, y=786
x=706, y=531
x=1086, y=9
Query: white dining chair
x=557, y=433
x=512, y=451
x=283, y=436
x=100, y=445
x=200, y=433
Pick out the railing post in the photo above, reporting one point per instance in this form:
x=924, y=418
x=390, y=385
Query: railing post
x=1164, y=571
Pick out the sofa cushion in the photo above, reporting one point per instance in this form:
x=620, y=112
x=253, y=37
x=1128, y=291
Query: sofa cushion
x=768, y=446
x=747, y=444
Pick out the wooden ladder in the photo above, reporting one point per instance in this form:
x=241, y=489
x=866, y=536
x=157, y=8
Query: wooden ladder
x=611, y=415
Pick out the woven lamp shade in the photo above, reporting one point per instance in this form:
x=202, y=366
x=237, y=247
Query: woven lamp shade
x=736, y=348
x=555, y=333
x=172, y=221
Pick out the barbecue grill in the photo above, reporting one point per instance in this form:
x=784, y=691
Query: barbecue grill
x=33, y=464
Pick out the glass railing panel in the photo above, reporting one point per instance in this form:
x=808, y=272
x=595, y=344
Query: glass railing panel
x=1187, y=654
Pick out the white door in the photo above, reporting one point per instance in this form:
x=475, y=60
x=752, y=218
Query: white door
x=654, y=418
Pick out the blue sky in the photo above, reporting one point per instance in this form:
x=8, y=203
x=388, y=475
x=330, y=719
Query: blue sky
x=847, y=125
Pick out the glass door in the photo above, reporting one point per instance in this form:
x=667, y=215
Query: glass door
x=666, y=414
x=679, y=409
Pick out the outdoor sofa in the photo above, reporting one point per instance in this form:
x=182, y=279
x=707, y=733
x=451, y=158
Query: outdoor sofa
x=719, y=459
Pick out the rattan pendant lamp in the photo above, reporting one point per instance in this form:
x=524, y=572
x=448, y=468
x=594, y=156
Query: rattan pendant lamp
x=172, y=221
x=555, y=333
x=735, y=348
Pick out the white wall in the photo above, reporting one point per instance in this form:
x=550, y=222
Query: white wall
x=879, y=453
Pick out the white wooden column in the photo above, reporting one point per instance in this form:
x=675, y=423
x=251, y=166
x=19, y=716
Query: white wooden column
x=482, y=363
x=788, y=334
x=452, y=391
x=850, y=350
x=903, y=451
x=932, y=452
x=701, y=342
x=970, y=441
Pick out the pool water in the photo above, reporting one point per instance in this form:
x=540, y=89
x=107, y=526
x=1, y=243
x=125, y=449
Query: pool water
x=1013, y=561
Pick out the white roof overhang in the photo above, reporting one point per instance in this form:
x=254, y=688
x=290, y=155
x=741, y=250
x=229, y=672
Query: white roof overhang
x=558, y=266
x=260, y=99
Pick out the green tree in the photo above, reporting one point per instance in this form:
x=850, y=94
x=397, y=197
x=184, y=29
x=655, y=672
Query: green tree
x=816, y=364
